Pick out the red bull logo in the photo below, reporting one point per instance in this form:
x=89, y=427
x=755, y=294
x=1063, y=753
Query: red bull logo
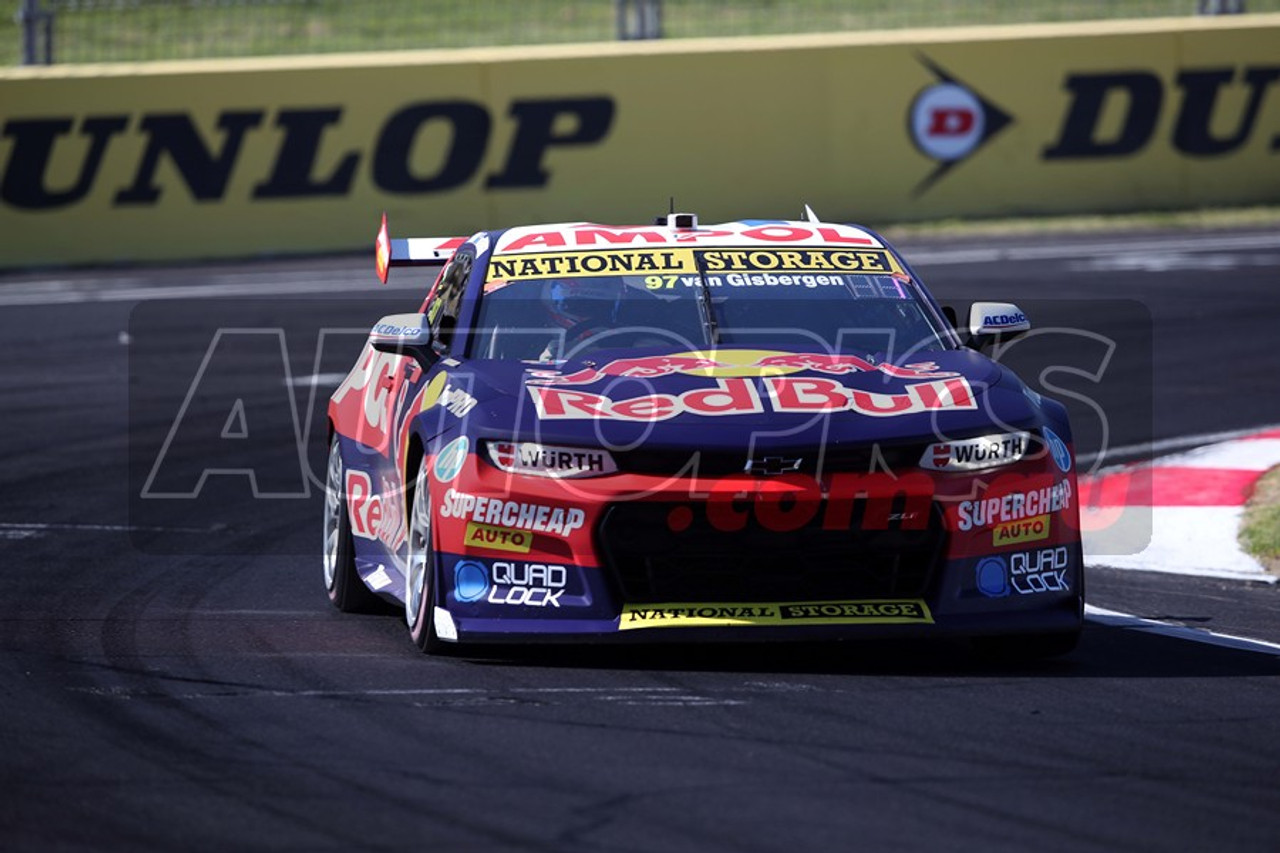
x=737, y=395
x=738, y=363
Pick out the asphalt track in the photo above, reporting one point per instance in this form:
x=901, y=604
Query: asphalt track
x=172, y=676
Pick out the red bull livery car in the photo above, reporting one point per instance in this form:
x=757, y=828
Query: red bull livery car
x=753, y=430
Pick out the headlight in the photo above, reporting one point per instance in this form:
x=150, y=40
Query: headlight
x=973, y=454
x=549, y=460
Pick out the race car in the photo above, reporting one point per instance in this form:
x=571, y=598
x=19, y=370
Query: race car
x=754, y=430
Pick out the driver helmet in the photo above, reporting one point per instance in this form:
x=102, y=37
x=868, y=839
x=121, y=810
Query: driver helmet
x=573, y=302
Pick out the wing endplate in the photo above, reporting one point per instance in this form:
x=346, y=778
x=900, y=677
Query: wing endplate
x=411, y=251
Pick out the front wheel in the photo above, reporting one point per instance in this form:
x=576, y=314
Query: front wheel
x=420, y=593
x=341, y=580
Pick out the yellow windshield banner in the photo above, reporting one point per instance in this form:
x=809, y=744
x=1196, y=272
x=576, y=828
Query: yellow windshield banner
x=708, y=615
x=766, y=260
x=580, y=264
x=540, y=265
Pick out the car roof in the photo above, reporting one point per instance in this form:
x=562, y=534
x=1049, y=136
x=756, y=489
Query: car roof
x=747, y=233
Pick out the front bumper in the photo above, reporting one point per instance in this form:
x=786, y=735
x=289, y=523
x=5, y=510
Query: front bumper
x=649, y=558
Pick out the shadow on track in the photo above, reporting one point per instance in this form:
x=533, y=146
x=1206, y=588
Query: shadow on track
x=1104, y=652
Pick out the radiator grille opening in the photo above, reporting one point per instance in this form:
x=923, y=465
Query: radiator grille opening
x=651, y=562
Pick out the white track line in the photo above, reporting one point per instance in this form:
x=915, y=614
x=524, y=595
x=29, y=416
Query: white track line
x=1116, y=619
x=313, y=380
x=1059, y=249
x=265, y=287
x=122, y=528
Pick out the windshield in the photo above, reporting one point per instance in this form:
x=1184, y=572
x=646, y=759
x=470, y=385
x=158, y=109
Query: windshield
x=546, y=307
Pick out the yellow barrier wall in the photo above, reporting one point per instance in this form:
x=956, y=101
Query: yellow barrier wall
x=244, y=157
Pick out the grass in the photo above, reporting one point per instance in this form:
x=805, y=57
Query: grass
x=141, y=30
x=1260, y=528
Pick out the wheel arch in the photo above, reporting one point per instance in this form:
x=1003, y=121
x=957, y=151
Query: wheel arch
x=415, y=451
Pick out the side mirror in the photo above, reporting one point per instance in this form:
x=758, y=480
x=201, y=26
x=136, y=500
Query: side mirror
x=989, y=321
x=404, y=334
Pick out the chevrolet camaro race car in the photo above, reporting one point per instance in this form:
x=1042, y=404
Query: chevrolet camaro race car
x=753, y=430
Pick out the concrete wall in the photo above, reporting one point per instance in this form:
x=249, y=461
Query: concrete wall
x=247, y=157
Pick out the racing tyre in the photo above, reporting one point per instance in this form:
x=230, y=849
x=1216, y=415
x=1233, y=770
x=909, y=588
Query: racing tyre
x=420, y=592
x=341, y=580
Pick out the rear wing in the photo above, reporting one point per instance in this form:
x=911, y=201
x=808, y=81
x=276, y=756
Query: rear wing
x=411, y=251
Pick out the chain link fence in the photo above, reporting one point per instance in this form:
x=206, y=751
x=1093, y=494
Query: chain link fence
x=69, y=31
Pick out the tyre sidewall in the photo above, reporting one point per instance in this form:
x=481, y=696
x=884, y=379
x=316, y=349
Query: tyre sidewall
x=422, y=630
x=346, y=590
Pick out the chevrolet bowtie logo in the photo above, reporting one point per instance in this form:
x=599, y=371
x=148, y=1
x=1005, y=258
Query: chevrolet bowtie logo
x=772, y=466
